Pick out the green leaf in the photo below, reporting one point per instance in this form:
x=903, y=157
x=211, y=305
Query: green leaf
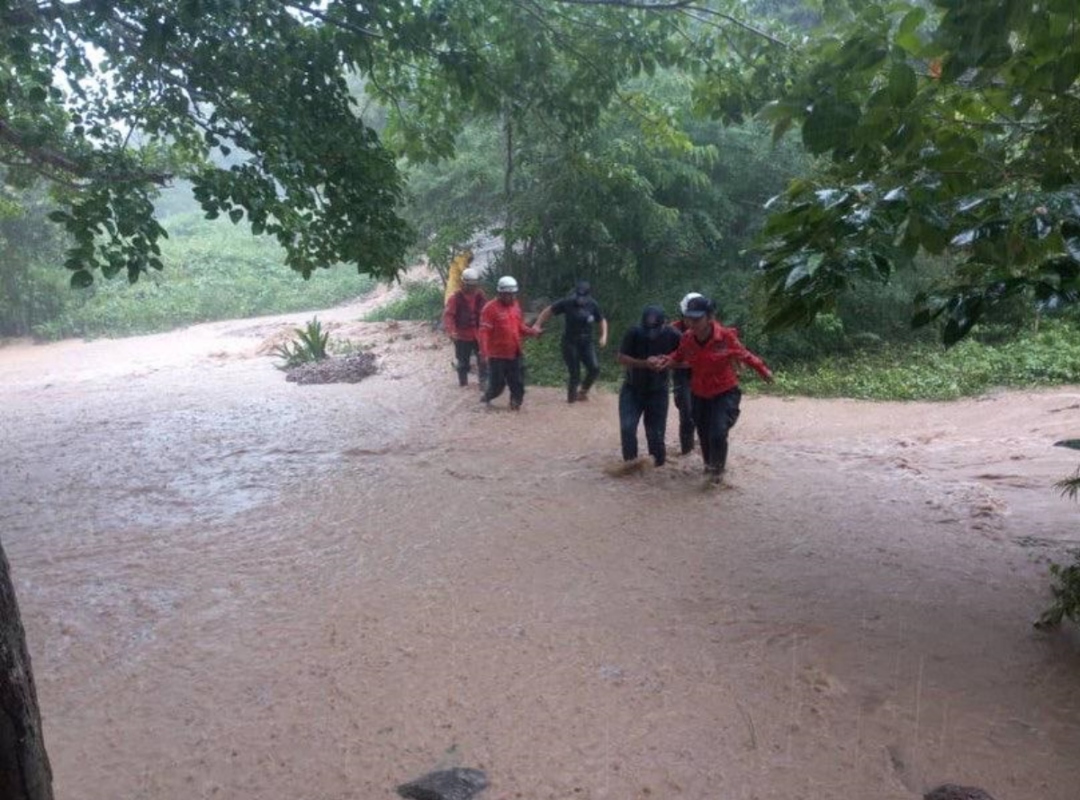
x=829, y=125
x=902, y=84
x=907, y=34
x=81, y=279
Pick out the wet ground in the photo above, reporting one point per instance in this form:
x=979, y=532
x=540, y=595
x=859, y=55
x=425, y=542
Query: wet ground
x=238, y=587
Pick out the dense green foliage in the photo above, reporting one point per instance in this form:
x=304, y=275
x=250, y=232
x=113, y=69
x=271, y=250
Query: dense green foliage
x=422, y=300
x=108, y=101
x=947, y=128
x=930, y=372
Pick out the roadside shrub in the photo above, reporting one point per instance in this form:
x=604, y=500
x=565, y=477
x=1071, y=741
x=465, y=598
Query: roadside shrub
x=423, y=300
x=924, y=371
x=309, y=345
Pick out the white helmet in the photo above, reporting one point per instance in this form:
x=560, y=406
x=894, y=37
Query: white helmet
x=507, y=284
x=470, y=276
x=686, y=301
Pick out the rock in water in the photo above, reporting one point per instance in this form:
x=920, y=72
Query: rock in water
x=951, y=791
x=346, y=369
x=445, y=784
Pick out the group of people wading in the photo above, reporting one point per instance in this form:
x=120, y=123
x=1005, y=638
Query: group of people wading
x=702, y=355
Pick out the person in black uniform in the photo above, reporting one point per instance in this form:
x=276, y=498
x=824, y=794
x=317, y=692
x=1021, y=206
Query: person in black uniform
x=582, y=312
x=646, y=387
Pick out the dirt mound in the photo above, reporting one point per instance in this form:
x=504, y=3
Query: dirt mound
x=345, y=369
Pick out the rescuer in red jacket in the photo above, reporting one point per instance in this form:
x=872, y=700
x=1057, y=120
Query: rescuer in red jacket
x=461, y=321
x=713, y=354
x=502, y=329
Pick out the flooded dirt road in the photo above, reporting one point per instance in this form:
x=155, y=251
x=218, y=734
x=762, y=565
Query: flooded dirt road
x=237, y=587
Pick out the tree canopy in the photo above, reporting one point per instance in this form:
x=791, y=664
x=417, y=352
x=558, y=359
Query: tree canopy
x=950, y=128
x=940, y=127
x=110, y=100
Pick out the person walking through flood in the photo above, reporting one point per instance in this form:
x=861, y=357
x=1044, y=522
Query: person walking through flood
x=582, y=312
x=461, y=321
x=680, y=379
x=713, y=354
x=502, y=329
x=645, y=388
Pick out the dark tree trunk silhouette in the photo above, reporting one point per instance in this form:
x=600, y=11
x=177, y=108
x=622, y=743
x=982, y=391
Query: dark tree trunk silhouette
x=25, y=773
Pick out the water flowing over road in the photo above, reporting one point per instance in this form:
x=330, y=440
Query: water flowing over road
x=237, y=587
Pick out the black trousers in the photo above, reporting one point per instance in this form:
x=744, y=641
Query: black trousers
x=464, y=351
x=579, y=352
x=633, y=405
x=713, y=418
x=503, y=373
x=681, y=382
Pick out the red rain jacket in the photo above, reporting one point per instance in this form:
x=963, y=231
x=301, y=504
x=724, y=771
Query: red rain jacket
x=714, y=362
x=501, y=330
x=461, y=318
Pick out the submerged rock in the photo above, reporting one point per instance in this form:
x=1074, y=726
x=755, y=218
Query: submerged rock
x=446, y=784
x=951, y=791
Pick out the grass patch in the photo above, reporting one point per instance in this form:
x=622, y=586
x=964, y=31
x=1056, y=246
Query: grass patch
x=1048, y=357
x=213, y=271
x=423, y=301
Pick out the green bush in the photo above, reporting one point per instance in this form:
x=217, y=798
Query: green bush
x=924, y=371
x=423, y=300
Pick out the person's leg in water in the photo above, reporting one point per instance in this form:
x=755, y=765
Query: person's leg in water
x=714, y=417
x=481, y=367
x=463, y=351
x=515, y=379
x=630, y=411
x=656, y=410
x=572, y=359
x=700, y=409
x=682, y=403
x=588, y=359
x=496, y=379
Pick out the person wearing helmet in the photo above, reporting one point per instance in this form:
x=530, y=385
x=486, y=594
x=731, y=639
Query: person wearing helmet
x=502, y=329
x=713, y=354
x=645, y=388
x=581, y=312
x=680, y=379
x=461, y=320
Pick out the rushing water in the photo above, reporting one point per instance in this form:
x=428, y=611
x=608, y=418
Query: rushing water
x=237, y=587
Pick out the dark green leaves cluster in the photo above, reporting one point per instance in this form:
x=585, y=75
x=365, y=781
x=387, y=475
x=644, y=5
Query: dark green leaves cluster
x=950, y=130
x=110, y=101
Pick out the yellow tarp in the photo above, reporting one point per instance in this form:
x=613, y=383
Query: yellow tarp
x=457, y=266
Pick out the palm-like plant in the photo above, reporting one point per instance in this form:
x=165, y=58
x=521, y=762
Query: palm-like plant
x=309, y=345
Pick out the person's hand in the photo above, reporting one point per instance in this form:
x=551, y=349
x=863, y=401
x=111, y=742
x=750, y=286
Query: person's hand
x=603, y=342
x=769, y=376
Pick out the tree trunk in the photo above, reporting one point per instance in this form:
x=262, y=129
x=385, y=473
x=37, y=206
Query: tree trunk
x=508, y=190
x=25, y=773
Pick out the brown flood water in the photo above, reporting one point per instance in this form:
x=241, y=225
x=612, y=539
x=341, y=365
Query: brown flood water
x=237, y=587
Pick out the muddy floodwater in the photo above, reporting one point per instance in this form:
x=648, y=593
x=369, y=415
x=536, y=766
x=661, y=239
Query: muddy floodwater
x=238, y=587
